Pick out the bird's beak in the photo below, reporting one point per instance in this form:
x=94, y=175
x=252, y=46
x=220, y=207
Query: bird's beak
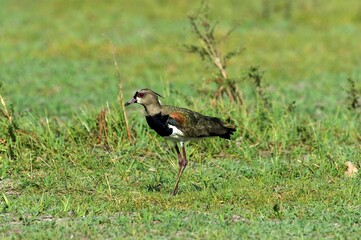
x=133, y=100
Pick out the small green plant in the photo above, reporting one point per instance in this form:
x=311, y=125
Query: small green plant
x=263, y=103
x=270, y=8
x=209, y=50
x=278, y=206
x=66, y=203
x=353, y=96
x=291, y=107
x=256, y=75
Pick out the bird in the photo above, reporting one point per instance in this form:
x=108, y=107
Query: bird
x=178, y=125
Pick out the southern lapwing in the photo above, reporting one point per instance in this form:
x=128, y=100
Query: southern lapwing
x=178, y=124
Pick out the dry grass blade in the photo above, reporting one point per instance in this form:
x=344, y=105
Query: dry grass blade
x=102, y=133
x=5, y=111
x=121, y=100
x=120, y=95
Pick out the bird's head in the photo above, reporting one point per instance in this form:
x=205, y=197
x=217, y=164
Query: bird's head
x=144, y=97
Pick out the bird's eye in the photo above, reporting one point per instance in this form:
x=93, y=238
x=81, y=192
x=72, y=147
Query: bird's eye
x=141, y=95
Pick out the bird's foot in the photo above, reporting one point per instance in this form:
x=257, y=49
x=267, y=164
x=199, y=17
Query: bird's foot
x=175, y=191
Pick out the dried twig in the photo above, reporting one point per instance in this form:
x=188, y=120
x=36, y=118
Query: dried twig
x=120, y=96
x=102, y=134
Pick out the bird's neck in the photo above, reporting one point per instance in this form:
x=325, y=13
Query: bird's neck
x=152, y=109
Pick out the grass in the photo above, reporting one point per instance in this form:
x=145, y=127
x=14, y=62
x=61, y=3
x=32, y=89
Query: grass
x=61, y=177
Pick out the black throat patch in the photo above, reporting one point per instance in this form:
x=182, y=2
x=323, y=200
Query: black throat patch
x=159, y=123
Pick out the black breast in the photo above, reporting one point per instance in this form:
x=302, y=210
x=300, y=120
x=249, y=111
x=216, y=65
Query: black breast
x=159, y=123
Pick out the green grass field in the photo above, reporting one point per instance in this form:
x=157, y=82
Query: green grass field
x=61, y=177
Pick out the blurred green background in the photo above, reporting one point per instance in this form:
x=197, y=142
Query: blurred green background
x=56, y=56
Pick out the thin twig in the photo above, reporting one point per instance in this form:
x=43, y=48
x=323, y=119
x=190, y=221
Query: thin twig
x=121, y=99
x=120, y=96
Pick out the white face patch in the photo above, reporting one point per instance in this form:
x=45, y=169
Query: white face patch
x=139, y=100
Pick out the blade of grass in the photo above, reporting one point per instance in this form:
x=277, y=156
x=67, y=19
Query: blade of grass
x=120, y=95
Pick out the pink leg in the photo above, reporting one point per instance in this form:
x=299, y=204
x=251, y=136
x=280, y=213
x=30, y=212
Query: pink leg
x=182, y=165
x=180, y=159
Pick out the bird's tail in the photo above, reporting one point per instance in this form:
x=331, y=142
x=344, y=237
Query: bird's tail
x=228, y=133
